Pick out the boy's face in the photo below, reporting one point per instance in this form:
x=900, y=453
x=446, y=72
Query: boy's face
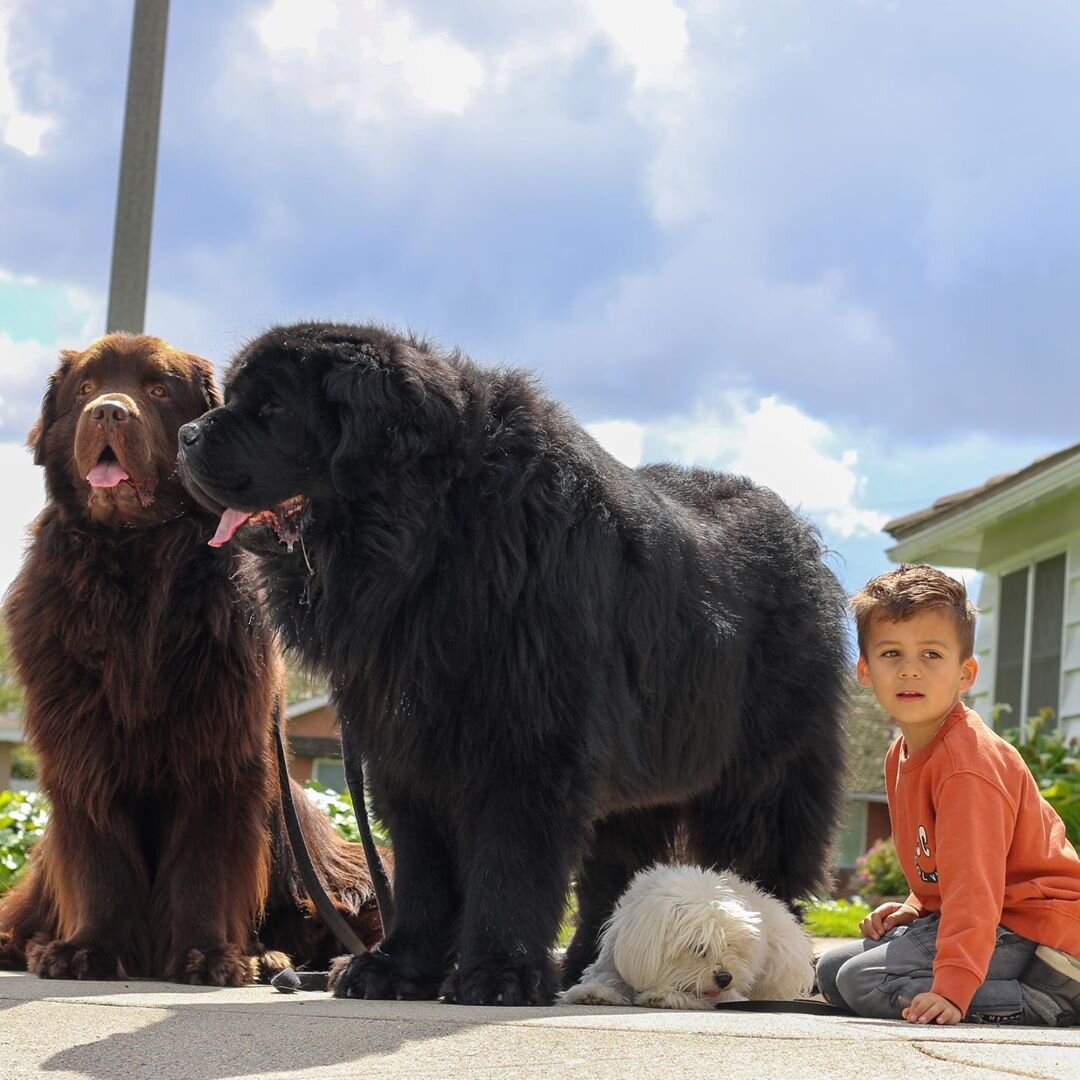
x=916, y=667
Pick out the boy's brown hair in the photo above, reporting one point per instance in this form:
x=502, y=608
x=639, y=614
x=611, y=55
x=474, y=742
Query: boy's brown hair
x=899, y=594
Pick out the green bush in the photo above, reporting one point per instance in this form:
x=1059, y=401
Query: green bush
x=833, y=918
x=23, y=815
x=1055, y=764
x=879, y=872
x=339, y=808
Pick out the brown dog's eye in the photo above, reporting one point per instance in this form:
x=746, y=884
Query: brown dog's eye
x=158, y=391
x=85, y=388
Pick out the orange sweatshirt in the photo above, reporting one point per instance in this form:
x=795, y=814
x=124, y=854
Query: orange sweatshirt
x=979, y=844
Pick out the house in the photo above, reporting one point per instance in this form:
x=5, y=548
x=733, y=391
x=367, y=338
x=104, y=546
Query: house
x=315, y=743
x=11, y=736
x=1021, y=531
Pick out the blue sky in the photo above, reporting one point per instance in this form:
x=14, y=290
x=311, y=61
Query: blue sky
x=831, y=244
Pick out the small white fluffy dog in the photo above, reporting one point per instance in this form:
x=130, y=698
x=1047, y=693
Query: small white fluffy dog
x=682, y=937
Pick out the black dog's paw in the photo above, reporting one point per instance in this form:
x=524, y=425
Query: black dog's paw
x=497, y=981
x=376, y=976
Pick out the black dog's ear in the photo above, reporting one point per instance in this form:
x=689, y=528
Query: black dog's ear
x=36, y=439
x=392, y=410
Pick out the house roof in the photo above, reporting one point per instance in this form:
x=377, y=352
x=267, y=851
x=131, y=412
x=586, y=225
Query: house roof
x=300, y=708
x=958, y=502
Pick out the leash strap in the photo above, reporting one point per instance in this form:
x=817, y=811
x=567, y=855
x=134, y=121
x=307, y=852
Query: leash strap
x=329, y=914
x=810, y=1008
x=354, y=778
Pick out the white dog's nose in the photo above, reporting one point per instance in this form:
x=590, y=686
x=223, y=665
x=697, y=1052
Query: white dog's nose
x=722, y=979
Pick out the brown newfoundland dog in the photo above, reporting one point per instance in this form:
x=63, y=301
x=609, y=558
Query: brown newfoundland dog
x=151, y=680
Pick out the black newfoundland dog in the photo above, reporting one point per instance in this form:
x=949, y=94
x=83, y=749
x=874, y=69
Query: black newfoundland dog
x=552, y=664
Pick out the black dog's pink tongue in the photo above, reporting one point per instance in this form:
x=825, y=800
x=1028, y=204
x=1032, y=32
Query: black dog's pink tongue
x=230, y=521
x=106, y=474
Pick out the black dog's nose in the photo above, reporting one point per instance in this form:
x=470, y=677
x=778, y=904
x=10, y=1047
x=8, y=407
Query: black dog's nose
x=110, y=412
x=722, y=979
x=190, y=433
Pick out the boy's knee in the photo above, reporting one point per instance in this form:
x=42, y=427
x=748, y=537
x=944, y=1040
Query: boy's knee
x=854, y=980
x=827, y=968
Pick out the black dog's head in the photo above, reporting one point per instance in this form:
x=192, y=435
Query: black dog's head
x=317, y=412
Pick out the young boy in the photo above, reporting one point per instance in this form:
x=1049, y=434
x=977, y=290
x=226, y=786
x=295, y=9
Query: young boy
x=991, y=930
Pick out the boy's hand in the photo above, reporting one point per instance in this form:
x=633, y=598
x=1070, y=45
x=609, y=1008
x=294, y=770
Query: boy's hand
x=928, y=1008
x=884, y=917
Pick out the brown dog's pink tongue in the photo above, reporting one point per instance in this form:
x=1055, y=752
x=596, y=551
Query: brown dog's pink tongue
x=230, y=521
x=106, y=474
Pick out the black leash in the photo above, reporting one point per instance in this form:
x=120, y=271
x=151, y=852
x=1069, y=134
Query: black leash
x=810, y=1008
x=354, y=779
x=289, y=980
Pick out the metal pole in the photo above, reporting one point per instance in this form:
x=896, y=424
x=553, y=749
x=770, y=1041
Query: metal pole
x=138, y=168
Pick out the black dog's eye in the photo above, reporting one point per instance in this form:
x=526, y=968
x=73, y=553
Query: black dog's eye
x=271, y=408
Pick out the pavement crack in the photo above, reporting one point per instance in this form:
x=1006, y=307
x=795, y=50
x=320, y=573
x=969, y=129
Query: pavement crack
x=993, y=1070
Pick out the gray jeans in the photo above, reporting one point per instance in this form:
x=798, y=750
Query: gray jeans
x=880, y=978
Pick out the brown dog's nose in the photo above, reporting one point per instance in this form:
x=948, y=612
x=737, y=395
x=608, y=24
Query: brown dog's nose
x=110, y=413
x=722, y=979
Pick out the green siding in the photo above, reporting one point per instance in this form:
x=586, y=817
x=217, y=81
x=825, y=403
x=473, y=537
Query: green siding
x=1015, y=536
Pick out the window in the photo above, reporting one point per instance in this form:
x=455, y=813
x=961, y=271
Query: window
x=1030, y=615
x=330, y=773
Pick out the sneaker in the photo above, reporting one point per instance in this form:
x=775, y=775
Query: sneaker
x=998, y=1019
x=1057, y=975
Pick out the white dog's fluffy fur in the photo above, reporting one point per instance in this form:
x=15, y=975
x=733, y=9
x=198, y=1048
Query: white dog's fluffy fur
x=678, y=932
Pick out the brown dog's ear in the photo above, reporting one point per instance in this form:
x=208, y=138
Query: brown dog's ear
x=36, y=439
x=204, y=378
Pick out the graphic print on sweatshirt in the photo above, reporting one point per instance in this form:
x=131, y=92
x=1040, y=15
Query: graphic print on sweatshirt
x=925, y=865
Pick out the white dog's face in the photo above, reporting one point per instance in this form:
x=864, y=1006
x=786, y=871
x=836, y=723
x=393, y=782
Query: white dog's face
x=685, y=937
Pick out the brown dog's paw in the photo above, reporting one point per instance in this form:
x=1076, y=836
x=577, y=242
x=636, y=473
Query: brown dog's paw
x=12, y=951
x=225, y=965
x=271, y=963
x=72, y=960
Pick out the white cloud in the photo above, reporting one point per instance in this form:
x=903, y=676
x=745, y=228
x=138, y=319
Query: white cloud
x=19, y=129
x=289, y=24
x=649, y=35
x=622, y=439
x=24, y=496
x=774, y=443
x=63, y=317
x=365, y=57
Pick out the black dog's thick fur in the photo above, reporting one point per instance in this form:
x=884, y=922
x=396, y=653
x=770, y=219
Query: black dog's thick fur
x=551, y=663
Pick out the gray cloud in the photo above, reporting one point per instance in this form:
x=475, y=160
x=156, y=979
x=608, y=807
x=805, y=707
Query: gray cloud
x=865, y=207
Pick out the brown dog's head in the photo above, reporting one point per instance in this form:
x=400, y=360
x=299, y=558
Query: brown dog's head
x=107, y=431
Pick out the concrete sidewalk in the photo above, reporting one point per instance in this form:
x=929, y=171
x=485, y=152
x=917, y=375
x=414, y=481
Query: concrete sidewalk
x=117, y=1031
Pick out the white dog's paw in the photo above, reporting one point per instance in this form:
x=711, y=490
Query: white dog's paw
x=592, y=994
x=670, y=999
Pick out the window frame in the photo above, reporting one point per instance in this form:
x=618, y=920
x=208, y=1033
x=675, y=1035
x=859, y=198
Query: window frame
x=1029, y=561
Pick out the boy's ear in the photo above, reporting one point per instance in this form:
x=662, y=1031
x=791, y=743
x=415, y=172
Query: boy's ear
x=863, y=670
x=969, y=671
